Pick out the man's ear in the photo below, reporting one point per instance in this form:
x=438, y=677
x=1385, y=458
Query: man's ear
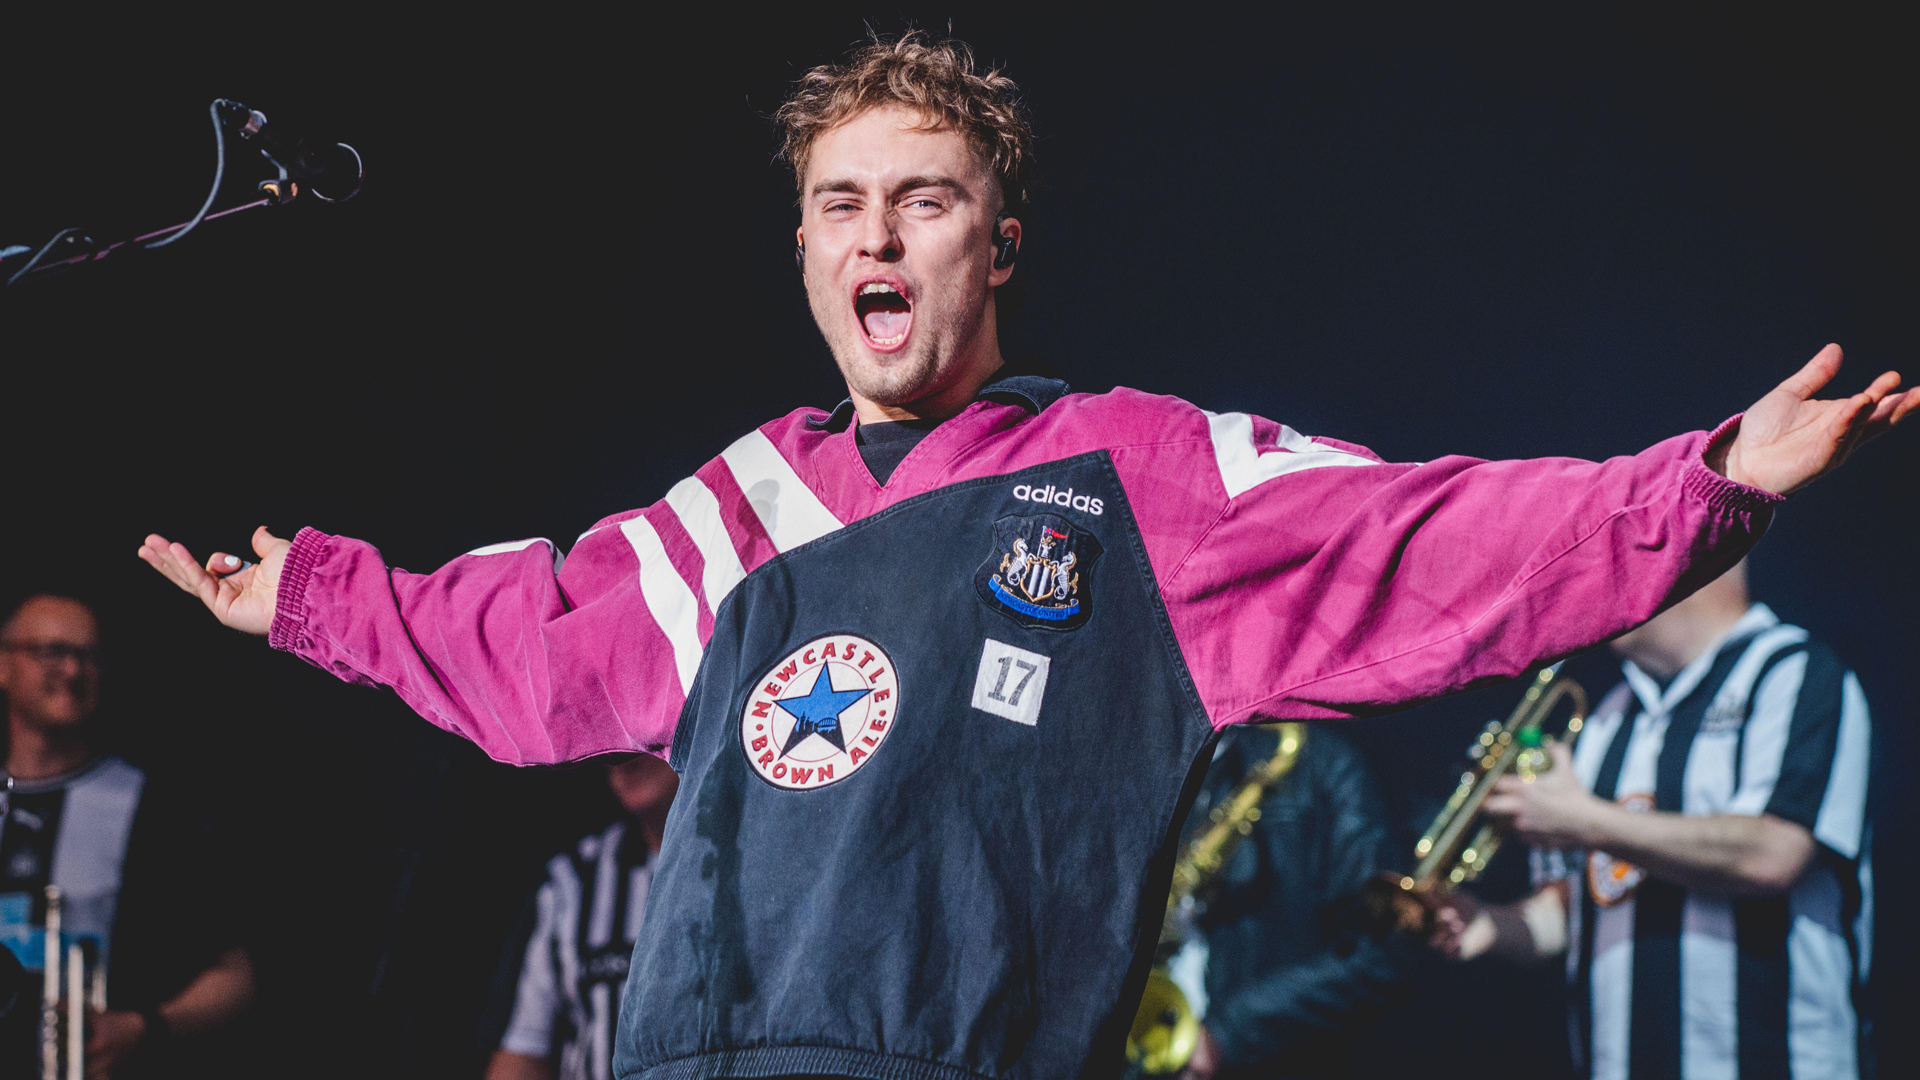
x=1006, y=248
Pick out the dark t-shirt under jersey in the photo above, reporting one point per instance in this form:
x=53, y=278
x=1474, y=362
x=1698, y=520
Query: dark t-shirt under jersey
x=883, y=446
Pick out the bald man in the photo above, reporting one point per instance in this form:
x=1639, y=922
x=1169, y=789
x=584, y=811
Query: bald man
x=88, y=823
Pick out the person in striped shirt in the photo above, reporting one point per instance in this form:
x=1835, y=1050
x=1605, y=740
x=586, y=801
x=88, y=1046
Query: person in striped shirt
x=1702, y=855
x=571, y=968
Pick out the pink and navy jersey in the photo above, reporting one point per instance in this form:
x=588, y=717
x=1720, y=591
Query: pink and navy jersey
x=936, y=736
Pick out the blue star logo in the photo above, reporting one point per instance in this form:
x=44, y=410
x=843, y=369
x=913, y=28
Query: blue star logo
x=818, y=711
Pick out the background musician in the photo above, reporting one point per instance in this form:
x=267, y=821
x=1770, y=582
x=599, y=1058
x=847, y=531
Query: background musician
x=1286, y=988
x=1704, y=860
x=568, y=973
x=135, y=868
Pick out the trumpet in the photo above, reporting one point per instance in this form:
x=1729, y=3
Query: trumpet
x=74, y=974
x=1165, y=1028
x=1459, y=844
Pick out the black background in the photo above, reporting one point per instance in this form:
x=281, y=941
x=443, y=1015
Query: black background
x=569, y=282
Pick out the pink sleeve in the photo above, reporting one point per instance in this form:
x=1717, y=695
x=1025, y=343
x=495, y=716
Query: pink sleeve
x=539, y=659
x=1326, y=583
x=534, y=660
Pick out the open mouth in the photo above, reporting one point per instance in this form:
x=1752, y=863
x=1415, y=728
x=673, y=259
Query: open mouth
x=885, y=313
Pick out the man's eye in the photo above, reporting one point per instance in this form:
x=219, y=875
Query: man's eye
x=924, y=204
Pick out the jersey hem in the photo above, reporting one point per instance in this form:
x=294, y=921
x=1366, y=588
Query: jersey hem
x=783, y=1061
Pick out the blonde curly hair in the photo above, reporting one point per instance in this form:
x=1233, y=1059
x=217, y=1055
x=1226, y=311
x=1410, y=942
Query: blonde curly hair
x=936, y=77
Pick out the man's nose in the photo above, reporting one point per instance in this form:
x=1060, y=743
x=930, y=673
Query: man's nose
x=879, y=240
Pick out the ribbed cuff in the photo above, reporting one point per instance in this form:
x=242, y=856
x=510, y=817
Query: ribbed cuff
x=290, y=604
x=1719, y=492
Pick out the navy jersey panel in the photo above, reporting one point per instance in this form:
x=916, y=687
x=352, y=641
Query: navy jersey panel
x=967, y=895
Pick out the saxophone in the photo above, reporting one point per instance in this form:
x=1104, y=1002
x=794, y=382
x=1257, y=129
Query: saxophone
x=1165, y=1030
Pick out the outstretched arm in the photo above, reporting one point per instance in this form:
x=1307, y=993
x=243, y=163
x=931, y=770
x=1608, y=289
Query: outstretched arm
x=498, y=646
x=1333, y=584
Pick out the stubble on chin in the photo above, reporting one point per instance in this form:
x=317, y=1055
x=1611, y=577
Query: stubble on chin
x=904, y=378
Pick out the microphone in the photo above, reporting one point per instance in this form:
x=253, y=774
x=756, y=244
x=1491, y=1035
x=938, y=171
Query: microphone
x=332, y=171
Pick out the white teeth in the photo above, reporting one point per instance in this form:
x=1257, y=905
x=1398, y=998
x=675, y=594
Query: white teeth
x=877, y=287
x=894, y=340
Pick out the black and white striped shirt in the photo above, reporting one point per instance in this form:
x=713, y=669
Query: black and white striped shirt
x=574, y=968
x=1674, y=982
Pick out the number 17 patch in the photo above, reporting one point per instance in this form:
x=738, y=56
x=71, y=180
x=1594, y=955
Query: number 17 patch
x=1011, y=682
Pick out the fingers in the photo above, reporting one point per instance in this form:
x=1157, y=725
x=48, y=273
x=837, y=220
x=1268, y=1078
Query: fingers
x=1891, y=409
x=1504, y=806
x=179, y=566
x=1818, y=371
x=1903, y=405
x=1886, y=384
x=265, y=543
x=220, y=564
x=1562, y=755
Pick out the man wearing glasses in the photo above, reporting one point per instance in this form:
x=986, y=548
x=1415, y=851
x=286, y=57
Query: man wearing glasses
x=88, y=823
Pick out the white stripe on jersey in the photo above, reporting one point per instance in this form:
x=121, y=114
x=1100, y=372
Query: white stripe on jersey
x=1709, y=981
x=1766, y=742
x=669, y=600
x=1243, y=467
x=509, y=546
x=1612, y=982
x=521, y=545
x=791, y=513
x=699, y=513
x=1821, y=1032
x=90, y=847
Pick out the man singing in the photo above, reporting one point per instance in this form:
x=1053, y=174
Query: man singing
x=940, y=668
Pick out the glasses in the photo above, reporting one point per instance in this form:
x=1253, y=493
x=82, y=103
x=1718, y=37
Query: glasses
x=54, y=652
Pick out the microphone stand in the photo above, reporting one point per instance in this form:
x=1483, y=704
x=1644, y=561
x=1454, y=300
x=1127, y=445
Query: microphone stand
x=51, y=265
x=276, y=192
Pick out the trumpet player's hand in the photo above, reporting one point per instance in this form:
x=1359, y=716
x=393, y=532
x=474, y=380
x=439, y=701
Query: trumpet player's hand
x=1789, y=438
x=1462, y=929
x=1205, y=1060
x=1554, y=809
x=115, y=1034
x=239, y=594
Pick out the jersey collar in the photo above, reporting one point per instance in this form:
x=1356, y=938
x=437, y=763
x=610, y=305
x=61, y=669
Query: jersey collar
x=1660, y=702
x=1031, y=392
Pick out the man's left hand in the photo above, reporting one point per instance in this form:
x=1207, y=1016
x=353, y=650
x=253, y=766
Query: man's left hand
x=1788, y=439
x=115, y=1035
x=1552, y=810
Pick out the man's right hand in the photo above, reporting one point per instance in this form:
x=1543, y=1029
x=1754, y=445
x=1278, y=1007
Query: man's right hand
x=240, y=595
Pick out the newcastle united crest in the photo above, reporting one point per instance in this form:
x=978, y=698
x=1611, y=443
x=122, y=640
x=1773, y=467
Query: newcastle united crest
x=1612, y=880
x=1040, y=573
